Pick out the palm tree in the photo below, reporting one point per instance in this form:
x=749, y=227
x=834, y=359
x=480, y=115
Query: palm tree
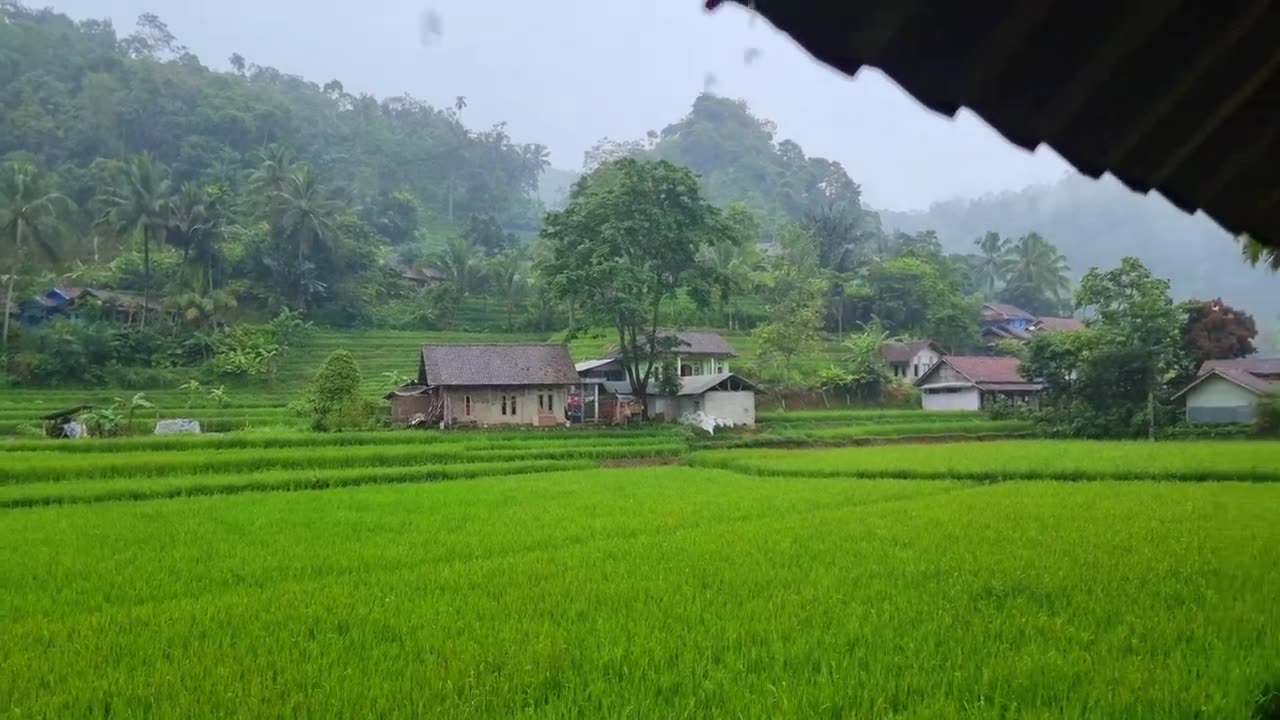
x=196, y=227
x=275, y=165
x=734, y=265
x=508, y=272
x=141, y=203
x=1255, y=253
x=306, y=219
x=989, y=265
x=29, y=224
x=1033, y=262
x=188, y=215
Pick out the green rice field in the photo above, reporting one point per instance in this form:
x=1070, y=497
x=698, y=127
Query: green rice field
x=536, y=574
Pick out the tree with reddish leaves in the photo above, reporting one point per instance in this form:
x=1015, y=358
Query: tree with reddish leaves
x=1213, y=330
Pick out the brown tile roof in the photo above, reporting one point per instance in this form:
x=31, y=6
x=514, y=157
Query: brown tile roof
x=1004, y=311
x=1059, y=323
x=905, y=352
x=1168, y=96
x=1254, y=366
x=981, y=369
x=1257, y=383
x=694, y=342
x=497, y=364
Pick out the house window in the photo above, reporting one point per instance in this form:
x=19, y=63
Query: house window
x=466, y=405
x=686, y=370
x=504, y=404
x=513, y=404
x=542, y=403
x=915, y=370
x=551, y=405
x=697, y=369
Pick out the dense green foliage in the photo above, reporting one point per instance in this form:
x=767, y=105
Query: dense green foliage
x=1019, y=460
x=217, y=196
x=539, y=595
x=1115, y=378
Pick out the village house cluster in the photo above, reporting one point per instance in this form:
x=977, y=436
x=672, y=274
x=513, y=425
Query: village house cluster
x=539, y=385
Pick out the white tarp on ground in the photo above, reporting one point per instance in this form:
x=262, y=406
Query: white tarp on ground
x=705, y=421
x=181, y=426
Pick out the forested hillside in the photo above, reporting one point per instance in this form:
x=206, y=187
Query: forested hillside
x=141, y=169
x=1096, y=223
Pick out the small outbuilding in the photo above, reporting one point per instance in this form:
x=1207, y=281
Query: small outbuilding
x=726, y=396
x=959, y=382
x=1227, y=391
x=909, y=360
x=487, y=384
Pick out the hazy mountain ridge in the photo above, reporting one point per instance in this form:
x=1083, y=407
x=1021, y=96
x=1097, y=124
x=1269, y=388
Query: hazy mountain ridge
x=1098, y=222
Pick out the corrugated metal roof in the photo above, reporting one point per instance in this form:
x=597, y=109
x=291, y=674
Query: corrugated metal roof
x=699, y=384
x=588, y=365
x=1059, y=324
x=695, y=342
x=1180, y=97
x=497, y=364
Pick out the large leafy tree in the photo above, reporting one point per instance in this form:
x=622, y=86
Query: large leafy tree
x=917, y=296
x=141, y=204
x=794, y=291
x=31, y=224
x=1138, y=330
x=1213, y=330
x=735, y=262
x=630, y=240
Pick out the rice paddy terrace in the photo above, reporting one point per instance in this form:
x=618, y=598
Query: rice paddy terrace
x=542, y=574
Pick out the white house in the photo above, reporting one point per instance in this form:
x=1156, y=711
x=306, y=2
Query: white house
x=959, y=382
x=726, y=396
x=1228, y=390
x=910, y=360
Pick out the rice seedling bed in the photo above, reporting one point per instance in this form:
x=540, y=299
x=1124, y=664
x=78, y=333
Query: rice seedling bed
x=39, y=466
x=856, y=434
x=656, y=592
x=1024, y=459
x=471, y=439
x=171, y=486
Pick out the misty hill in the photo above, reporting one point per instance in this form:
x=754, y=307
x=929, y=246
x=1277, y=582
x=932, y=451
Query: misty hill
x=74, y=92
x=1098, y=222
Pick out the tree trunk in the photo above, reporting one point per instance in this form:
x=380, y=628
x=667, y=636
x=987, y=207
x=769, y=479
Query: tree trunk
x=1151, y=414
x=8, y=308
x=450, y=196
x=146, y=275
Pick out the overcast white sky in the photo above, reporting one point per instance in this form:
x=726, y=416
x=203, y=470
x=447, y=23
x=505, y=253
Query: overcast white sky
x=567, y=72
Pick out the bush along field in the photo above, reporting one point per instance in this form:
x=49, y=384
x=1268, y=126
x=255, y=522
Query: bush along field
x=549, y=590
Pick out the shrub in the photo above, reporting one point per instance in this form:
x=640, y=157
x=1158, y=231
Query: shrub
x=333, y=396
x=1268, y=421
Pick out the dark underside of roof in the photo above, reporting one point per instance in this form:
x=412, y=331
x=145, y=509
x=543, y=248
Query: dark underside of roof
x=1179, y=97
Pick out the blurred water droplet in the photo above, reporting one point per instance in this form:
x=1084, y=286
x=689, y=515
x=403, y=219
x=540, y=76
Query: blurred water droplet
x=751, y=55
x=430, y=27
x=709, y=81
